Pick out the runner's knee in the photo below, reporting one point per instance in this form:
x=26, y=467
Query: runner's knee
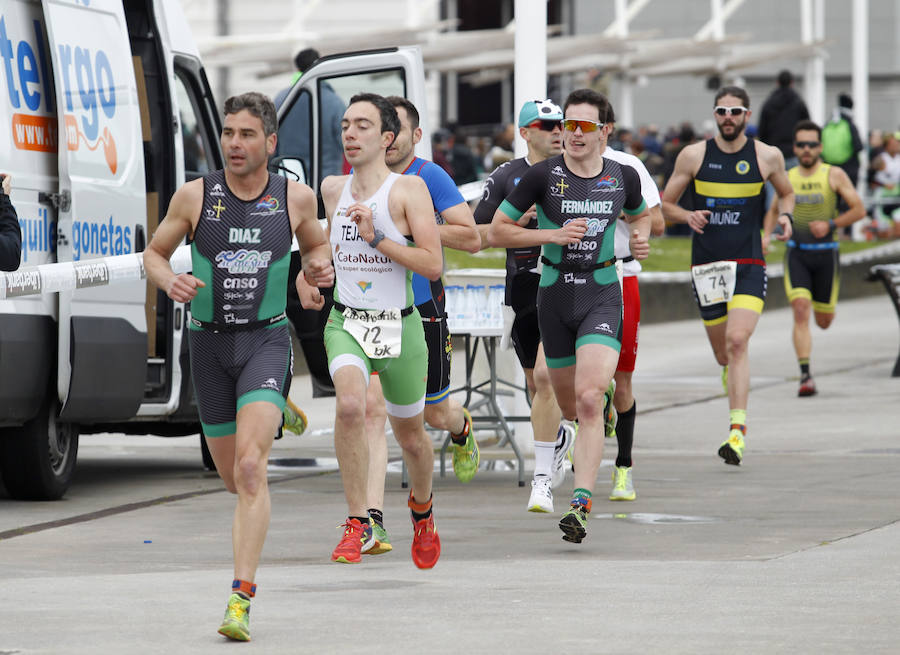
x=824, y=320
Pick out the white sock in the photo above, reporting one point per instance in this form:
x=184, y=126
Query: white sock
x=543, y=457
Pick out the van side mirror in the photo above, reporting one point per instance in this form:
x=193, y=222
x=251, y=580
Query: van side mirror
x=289, y=167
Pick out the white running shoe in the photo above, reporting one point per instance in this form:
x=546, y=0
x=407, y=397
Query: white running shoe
x=541, y=499
x=565, y=437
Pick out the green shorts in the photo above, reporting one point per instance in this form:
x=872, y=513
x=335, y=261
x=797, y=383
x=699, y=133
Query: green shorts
x=402, y=378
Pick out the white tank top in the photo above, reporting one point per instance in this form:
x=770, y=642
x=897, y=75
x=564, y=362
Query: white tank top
x=366, y=278
x=651, y=197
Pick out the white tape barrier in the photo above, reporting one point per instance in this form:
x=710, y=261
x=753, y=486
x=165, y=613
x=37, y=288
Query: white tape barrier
x=67, y=276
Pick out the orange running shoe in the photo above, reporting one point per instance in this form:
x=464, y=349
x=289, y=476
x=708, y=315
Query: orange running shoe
x=426, y=545
x=356, y=537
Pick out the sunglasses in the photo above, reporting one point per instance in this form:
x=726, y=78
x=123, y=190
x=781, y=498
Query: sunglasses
x=730, y=111
x=570, y=125
x=545, y=125
x=807, y=144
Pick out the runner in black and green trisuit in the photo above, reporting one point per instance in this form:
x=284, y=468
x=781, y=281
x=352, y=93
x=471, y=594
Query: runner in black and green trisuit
x=578, y=195
x=241, y=221
x=812, y=270
x=728, y=174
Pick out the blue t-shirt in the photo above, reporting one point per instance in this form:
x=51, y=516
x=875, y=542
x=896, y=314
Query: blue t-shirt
x=429, y=296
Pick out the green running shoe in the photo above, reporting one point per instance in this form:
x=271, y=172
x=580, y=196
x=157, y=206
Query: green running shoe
x=380, y=544
x=467, y=457
x=609, y=411
x=294, y=418
x=574, y=522
x=732, y=451
x=236, y=624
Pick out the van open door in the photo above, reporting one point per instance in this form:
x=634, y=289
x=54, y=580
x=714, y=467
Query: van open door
x=102, y=331
x=309, y=120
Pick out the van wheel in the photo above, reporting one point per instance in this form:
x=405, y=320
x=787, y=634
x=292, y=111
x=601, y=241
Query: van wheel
x=208, y=463
x=38, y=458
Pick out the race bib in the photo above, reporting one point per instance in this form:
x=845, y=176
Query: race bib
x=714, y=282
x=377, y=331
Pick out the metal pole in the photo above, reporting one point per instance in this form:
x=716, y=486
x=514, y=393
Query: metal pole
x=625, y=112
x=860, y=82
x=530, y=77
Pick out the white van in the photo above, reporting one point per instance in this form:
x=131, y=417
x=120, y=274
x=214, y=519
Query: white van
x=109, y=112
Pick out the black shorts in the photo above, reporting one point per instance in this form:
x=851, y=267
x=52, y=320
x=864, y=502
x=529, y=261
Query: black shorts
x=526, y=331
x=440, y=352
x=814, y=275
x=232, y=369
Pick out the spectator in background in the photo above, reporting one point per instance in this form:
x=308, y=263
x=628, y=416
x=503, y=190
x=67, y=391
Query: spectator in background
x=502, y=150
x=460, y=158
x=440, y=150
x=653, y=162
x=649, y=136
x=10, y=232
x=296, y=128
x=782, y=110
x=887, y=180
x=622, y=140
x=841, y=143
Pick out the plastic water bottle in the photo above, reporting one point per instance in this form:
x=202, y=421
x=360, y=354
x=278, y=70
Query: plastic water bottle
x=482, y=311
x=495, y=305
x=470, y=309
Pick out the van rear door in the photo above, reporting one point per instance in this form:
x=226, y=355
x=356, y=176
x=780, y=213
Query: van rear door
x=102, y=331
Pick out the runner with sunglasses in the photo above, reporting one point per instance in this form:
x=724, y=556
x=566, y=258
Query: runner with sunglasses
x=727, y=174
x=812, y=270
x=540, y=124
x=578, y=197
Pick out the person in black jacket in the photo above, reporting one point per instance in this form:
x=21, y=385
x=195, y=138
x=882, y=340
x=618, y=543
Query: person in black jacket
x=782, y=110
x=10, y=232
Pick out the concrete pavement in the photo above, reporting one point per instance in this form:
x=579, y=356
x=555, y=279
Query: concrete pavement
x=796, y=551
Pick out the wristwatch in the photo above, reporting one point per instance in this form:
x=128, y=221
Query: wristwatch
x=379, y=235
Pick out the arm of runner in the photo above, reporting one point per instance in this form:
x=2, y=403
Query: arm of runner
x=409, y=199
x=459, y=231
x=315, y=252
x=781, y=182
x=686, y=165
x=657, y=222
x=185, y=204
x=636, y=214
x=842, y=185
x=769, y=221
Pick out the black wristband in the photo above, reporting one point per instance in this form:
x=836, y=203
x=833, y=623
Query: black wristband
x=789, y=215
x=832, y=224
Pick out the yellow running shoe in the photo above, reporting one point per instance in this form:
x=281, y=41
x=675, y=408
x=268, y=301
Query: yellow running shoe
x=236, y=624
x=466, y=457
x=623, y=486
x=294, y=418
x=732, y=451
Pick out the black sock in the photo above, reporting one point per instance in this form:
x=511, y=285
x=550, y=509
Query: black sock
x=378, y=516
x=804, y=368
x=362, y=519
x=625, y=435
x=424, y=515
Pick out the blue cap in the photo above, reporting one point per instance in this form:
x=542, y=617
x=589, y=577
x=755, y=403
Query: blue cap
x=539, y=110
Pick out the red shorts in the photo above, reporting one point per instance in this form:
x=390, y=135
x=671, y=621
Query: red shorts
x=631, y=320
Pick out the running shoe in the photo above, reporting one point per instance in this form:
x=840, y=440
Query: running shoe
x=574, y=522
x=236, y=624
x=426, y=545
x=356, y=537
x=623, y=487
x=541, y=499
x=467, y=457
x=380, y=542
x=725, y=379
x=565, y=437
x=807, y=387
x=609, y=411
x=294, y=418
x=732, y=451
